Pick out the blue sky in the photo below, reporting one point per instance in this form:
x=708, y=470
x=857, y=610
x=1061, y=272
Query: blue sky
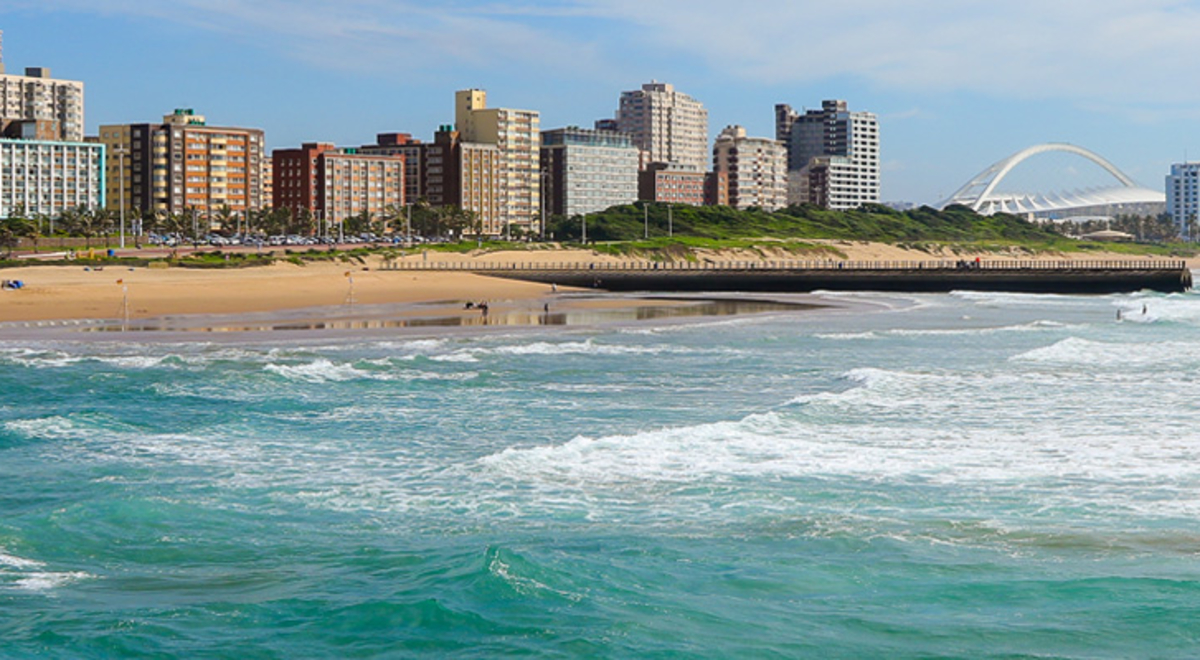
x=957, y=84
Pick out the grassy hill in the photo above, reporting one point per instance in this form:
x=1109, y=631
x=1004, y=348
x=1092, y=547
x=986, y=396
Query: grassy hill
x=925, y=228
x=870, y=223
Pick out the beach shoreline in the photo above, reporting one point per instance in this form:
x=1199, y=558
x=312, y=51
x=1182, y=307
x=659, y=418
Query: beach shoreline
x=349, y=294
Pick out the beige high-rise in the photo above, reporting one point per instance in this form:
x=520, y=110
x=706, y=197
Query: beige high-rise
x=668, y=126
x=516, y=133
x=756, y=167
x=37, y=107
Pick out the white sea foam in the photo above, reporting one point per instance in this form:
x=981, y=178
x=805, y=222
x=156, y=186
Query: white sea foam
x=467, y=355
x=1079, y=351
x=55, y=427
x=17, y=573
x=588, y=347
x=1033, y=326
x=547, y=348
x=1005, y=300
x=17, y=562
x=322, y=371
x=849, y=336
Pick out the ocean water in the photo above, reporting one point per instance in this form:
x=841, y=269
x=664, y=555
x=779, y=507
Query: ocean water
x=958, y=476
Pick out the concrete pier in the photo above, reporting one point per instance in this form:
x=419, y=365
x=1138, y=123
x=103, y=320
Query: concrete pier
x=1084, y=277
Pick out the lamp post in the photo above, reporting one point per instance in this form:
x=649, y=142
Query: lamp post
x=585, y=229
x=646, y=218
x=670, y=221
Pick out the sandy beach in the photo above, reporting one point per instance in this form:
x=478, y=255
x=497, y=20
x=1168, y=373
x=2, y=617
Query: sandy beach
x=79, y=292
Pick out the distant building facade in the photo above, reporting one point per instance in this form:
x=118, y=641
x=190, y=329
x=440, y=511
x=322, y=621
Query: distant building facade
x=1183, y=197
x=842, y=145
x=49, y=177
x=516, y=133
x=667, y=126
x=659, y=182
x=588, y=170
x=37, y=107
x=183, y=165
x=469, y=175
x=403, y=144
x=716, y=188
x=756, y=169
x=336, y=184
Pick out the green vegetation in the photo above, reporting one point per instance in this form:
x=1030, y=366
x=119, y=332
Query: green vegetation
x=955, y=229
x=681, y=233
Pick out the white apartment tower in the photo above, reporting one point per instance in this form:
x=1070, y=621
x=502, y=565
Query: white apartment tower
x=833, y=155
x=1183, y=197
x=667, y=126
x=756, y=169
x=517, y=134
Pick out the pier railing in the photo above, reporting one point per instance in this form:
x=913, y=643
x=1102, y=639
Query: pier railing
x=798, y=265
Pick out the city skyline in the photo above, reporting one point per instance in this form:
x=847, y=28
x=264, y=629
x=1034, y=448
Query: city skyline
x=950, y=99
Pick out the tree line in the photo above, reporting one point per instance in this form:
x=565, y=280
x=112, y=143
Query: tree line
x=422, y=219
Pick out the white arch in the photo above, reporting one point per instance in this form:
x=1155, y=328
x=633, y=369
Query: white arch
x=992, y=176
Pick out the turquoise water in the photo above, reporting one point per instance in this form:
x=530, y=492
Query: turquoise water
x=966, y=475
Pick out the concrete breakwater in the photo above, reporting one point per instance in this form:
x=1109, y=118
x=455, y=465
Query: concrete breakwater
x=1094, y=277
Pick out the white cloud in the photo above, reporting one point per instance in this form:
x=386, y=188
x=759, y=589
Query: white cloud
x=1130, y=53
x=1092, y=49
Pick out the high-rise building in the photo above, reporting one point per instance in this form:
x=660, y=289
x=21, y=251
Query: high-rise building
x=37, y=107
x=49, y=177
x=756, y=169
x=403, y=144
x=844, y=145
x=668, y=126
x=336, y=184
x=1183, y=198
x=784, y=118
x=588, y=170
x=268, y=182
x=468, y=175
x=516, y=134
x=184, y=165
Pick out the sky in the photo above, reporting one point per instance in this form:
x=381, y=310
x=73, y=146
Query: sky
x=957, y=84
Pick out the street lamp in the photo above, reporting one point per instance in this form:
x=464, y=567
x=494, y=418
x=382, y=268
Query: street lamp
x=646, y=218
x=585, y=229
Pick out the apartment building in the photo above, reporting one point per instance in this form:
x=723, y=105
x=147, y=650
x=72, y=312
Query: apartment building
x=335, y=184
x=49, y=177
x=1183, y=198
x=660, y=182
x=756, y=169
x=468, y=175
x=183, y=165
x=588, y=170
x=516, y=134
x=667, y=125
x=843, y=145
x=403, y=144
x=36, y=106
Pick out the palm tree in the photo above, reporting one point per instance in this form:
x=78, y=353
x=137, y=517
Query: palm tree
x=12, y=229
x=84, y=222
x=224, y=216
